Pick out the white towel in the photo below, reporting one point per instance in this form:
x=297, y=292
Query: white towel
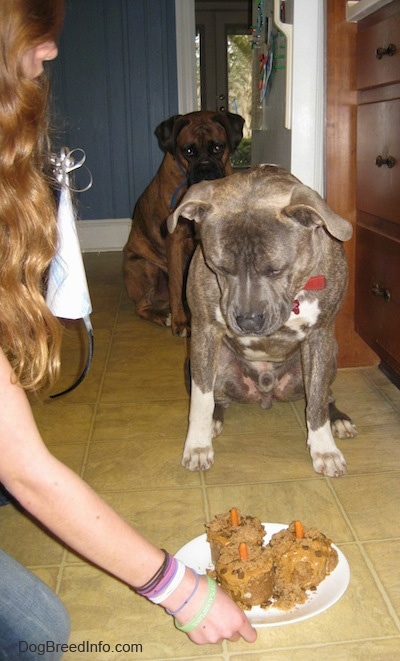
x=67, y=291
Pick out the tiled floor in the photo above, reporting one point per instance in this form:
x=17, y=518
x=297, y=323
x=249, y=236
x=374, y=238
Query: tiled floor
x=123, y=431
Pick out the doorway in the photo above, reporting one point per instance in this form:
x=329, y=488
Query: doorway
x=308, y=87
x=224, y=64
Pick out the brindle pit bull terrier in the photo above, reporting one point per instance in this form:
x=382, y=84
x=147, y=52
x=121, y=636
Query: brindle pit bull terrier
x=197, y=146
x=264, y=288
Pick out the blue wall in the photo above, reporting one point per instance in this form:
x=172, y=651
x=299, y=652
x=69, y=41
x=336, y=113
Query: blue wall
x=113, y=82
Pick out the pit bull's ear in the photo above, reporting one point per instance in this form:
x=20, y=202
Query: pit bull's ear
x=194, y=204
x=191, y=210
x=309, y=207
x=164, y=134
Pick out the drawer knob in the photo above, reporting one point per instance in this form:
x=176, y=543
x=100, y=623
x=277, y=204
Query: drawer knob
x=390, y=51
x=390, y=161
x=377, y=290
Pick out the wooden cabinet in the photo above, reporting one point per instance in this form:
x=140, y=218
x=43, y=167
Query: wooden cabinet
x=377, y=285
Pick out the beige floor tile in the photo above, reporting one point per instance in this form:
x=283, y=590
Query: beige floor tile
x=54, y=417
x=376, y=449
x=72, y=361
x=371, y=504
x=48, y=575
x=141, y=420
x=363, y=409
x=26, y=541
x=102, y=609
x=311, y=501
x=250, y=418
x=137, y=464
x=141, y=387
x=384, y=556
x=253, y=457
x=373, y=650
x=157, y=516
x=164, y=353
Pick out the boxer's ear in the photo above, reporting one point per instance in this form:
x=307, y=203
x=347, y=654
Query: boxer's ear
x=164, y=134
x=191, y=210
x=233, y=125
x=309, y=207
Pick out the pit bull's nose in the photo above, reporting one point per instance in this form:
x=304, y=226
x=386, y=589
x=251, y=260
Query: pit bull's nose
x=251, y=323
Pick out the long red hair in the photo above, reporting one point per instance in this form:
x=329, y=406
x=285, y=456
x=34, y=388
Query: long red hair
x=29, y=334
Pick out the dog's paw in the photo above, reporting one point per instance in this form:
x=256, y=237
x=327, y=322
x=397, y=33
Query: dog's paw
x=180, y=331
x=180, y=325
x=331, y=464
x=344, y=428
x=218, y=426
x=198, y=459
x=167, y=320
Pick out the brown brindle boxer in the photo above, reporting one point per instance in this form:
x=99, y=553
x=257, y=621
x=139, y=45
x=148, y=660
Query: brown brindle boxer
x=197, y=147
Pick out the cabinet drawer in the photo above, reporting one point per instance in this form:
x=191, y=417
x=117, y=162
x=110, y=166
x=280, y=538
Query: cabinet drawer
x=371, y=69
x=378, y=137
x=377, y=304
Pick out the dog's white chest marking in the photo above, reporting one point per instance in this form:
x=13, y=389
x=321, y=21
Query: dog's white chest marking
x=249, y=353
x=307, y=317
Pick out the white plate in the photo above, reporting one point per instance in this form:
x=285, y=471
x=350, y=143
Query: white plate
x=197, y=554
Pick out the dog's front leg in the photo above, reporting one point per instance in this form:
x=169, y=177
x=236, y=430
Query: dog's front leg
x=319, y=365
x=177, y=260
x=198, y=453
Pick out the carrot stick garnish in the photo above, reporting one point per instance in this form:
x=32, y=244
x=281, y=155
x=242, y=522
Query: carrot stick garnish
x=298, y=529
x=243, y=551
x=234, y=516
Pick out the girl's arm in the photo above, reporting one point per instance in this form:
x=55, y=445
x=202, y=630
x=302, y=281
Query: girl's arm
x=76, y=514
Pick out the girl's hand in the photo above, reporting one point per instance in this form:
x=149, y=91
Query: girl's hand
x=224, y=621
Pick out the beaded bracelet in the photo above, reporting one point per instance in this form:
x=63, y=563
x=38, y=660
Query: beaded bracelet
x=189, y=597
x=204, y=610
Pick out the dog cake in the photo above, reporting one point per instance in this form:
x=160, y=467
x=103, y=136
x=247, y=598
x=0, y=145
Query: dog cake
x=303, y=557
x=232, y=527
x=295, y=560
x=246, y=574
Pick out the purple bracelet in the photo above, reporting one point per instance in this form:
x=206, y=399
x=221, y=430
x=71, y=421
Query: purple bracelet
x=165, y=579
x=189, y=597
x=153, y=582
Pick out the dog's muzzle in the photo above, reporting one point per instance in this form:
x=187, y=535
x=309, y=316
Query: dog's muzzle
x=251, y=323
x=205, y=170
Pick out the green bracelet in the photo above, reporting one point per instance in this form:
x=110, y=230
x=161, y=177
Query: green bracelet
x=204, y=610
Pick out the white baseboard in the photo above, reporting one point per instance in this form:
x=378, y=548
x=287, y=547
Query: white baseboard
x=103, y=235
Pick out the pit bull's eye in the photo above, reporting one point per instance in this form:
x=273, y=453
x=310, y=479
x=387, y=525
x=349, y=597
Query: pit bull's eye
x=223, y=270
x=218, y=268
x=272, y=273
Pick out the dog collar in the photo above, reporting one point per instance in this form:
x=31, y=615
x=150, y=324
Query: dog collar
x=314, y=283
x=183, y=183
x=172, y=204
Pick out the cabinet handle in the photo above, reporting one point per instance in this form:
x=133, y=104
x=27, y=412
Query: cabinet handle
x=390, y=161
x=377, y=290
x=390, y=50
